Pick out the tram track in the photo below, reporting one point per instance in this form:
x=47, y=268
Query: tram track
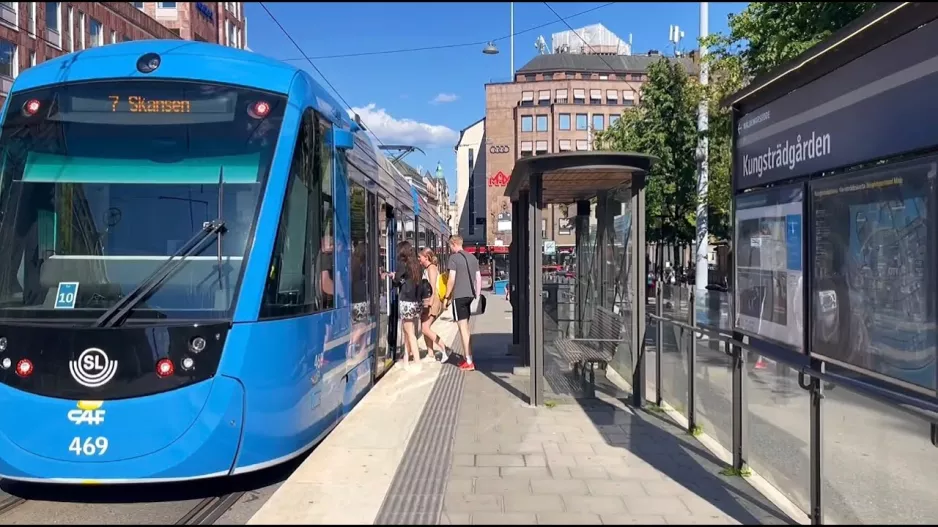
x=209, y=510
x=9, y=503
x=228, y=500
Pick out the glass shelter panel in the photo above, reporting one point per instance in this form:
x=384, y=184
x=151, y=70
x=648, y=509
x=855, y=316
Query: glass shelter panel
x=586, y=316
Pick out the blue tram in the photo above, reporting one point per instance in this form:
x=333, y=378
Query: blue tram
x=189, y=283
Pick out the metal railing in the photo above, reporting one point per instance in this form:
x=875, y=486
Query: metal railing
x=864, y=480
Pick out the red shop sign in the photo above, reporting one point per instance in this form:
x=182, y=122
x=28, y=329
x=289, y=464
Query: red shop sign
x=499, y=180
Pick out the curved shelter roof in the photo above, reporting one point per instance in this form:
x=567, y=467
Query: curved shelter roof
x=572, y=176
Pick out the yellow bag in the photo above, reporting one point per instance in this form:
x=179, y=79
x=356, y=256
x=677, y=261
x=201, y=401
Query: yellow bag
x=441, y=285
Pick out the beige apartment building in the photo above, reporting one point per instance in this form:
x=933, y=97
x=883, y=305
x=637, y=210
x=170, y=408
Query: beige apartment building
x=555, y=104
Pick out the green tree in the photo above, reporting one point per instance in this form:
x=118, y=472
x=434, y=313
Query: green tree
x=663, y=125
x=761, y=37
x=768, y=34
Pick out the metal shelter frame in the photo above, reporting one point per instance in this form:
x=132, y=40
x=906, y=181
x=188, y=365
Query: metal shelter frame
x=564, y=178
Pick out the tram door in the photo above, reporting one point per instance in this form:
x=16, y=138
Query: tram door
x=384, y=355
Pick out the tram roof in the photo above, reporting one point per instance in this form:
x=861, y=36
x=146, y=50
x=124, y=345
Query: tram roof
x=180, y=59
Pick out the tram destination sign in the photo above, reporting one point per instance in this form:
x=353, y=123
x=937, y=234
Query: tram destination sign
x=876, y=106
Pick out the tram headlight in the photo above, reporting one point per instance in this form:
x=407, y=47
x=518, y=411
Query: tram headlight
x=3, y=344
x=197, y=344
x=188, y=363
x=6, y=363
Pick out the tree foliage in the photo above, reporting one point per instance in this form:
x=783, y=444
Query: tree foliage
x=760, y=38
x=663, y=125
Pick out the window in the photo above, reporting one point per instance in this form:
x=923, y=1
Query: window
x=561, y=97
x=579, y=96
x=301, y=268
x=540, y=147
x=526, y=148
x=54, y=23
x=543, y=97
x=361, y=218
x=138, y=5
x=613, y=119
x=581, y=144
x=628, y=97
x=527, y=123
x=603, y=77
x=113, y=37
x=612, y=96
x=32, y=59
x=582, y=121
x=166, y=9
x=564, y=145
x=527, y=98
x=10, y=14
x=32, y=19
x=564, y=121
x=542, y=123
x=596, y=96
x=71, y=29
x=8, y=60
x=96, y=30
x=81, y=29
x=599, y=122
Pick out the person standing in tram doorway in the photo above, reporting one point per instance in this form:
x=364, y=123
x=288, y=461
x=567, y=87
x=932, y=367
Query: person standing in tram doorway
x=463, y=288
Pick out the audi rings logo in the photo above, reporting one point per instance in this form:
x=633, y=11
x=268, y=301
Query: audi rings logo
x=93, y=368
x=499, y=149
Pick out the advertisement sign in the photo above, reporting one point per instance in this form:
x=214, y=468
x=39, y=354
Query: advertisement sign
x=870, y=108
x=874, y=291
x=565, y=225
x=769, y=265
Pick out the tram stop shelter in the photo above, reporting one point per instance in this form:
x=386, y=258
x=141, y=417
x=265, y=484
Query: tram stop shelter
x=581, y=329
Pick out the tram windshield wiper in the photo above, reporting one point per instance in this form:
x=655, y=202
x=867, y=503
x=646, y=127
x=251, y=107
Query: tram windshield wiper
x=119, y=311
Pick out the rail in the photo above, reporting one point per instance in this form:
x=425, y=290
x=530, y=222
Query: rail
x=812, y=376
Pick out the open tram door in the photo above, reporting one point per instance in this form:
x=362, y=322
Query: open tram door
x=387, y=296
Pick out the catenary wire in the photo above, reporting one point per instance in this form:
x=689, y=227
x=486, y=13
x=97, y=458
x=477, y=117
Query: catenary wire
x=448, y=46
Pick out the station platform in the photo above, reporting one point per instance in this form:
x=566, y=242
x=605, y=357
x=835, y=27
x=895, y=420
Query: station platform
x=442, y=446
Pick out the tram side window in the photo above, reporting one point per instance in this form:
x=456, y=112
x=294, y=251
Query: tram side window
x=362, y=253
x=302, y=256
x=325, y=264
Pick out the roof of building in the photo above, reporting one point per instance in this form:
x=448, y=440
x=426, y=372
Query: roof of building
x=463, y=132
x=598, y=63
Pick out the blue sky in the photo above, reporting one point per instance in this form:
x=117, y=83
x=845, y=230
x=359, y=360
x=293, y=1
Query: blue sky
x=425, y=97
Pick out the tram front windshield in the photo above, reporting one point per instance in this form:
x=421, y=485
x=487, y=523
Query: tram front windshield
x=102, y=182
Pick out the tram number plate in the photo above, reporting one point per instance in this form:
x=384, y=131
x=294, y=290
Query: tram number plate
x=89, y=446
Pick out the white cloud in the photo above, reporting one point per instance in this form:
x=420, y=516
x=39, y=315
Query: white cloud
x=404, y=131
x=444, y=98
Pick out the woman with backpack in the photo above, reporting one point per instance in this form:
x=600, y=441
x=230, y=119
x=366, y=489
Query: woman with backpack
x=411, y=294
x=432, y=306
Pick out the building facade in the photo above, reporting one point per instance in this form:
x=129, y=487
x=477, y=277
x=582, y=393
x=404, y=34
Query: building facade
x=217, y=22
x=470, y=176
x=34, y=32
x=555, y=104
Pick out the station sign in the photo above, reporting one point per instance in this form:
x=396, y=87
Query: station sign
x=871, y=108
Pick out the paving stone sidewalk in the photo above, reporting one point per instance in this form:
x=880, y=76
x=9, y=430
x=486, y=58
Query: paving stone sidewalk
x=593, y=462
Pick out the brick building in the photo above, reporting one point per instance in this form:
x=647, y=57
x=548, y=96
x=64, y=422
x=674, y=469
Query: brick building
x=555, y=104
x=219, y=22
x=33, y=32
